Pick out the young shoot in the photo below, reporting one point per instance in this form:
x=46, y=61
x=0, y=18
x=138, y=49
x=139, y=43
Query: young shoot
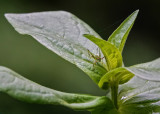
x=132, y=90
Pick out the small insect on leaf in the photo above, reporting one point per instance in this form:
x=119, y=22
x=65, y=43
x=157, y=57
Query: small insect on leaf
x=111, y=54
x=97, y=58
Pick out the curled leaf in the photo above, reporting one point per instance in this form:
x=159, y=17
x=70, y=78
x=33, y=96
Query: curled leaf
x=118, y=75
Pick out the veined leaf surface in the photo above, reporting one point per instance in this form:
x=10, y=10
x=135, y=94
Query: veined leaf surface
x=26, y=90
x=139, y=96
x=148, y=71
x=62, y=33
x=119, y=36
x=119, y=75
x=112, y=55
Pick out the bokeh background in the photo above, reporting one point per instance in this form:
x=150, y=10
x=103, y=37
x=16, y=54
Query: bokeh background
x=29, y=58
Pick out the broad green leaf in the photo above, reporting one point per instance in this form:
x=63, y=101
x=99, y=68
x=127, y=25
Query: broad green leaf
x=112, y=55
x=62, y=33
x=148, y=71
x=119, y=36
x=118, y=75
x=26, y=90
x=139, y=96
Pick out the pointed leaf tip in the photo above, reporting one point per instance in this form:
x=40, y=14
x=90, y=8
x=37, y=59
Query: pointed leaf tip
x=8, y=15
x=137, y=11
x=119, y=36
x=61, y=32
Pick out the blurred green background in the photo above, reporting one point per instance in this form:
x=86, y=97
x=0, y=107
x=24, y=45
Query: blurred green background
x=30, y=59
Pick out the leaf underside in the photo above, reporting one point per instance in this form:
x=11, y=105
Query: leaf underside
x=26, y=90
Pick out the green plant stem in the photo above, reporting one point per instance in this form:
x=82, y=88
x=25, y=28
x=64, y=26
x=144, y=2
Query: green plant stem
x=114, y=93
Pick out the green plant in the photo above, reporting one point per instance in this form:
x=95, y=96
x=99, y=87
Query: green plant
x=132, y=89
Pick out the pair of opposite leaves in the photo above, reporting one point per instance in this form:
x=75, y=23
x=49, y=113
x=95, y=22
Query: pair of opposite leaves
x=112, y=50
x=115, y=72
x=64, y=36
x=62, y=33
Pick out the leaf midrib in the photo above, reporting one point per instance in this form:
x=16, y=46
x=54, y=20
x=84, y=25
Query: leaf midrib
x=42, y=34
